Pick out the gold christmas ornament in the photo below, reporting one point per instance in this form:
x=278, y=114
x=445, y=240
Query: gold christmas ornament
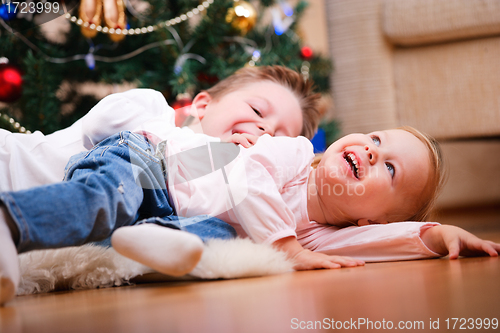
x=90, y=13
x=115, y=18
x=242, y=16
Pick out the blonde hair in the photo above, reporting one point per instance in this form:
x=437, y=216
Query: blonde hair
x=292, y=80
x=437, y=176
x=316, y=160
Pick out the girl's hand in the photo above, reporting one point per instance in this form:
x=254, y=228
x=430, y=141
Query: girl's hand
x=454, y=241
x=306, y=260
x=244, y=139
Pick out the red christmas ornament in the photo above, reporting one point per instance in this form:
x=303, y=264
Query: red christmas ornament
x=181, y=107
x=306, y=53
x=11, y=83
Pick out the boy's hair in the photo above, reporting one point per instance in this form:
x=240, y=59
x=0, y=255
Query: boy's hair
x=292, y=80
x=437, y=174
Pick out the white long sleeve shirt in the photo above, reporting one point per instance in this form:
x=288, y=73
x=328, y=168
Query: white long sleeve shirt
x=28, y=160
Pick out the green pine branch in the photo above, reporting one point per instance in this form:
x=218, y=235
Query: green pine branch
x=213, y=39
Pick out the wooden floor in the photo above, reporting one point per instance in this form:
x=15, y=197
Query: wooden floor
x=414, y=295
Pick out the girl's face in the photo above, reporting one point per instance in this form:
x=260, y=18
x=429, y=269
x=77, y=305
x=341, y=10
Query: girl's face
x=372, y=178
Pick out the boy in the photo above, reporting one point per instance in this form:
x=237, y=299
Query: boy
x=32, y=160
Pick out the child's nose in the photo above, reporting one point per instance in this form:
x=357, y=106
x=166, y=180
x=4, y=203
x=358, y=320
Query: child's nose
x=265, y=129
x=372, y=154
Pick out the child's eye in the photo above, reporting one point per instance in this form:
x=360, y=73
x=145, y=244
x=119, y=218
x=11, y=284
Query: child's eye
x=376, y=140
x=391, y=169
x=257, y=112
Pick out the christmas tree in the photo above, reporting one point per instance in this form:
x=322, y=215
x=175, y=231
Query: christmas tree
x=178, y=47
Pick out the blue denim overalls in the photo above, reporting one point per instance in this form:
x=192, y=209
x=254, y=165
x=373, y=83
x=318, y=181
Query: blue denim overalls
x=119, y=182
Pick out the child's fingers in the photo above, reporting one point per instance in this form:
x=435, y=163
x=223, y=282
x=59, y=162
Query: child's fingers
x=346, y=261
x=454, y=249
x=244, y=142
x=251, y=139
x=473, y=248
x=244, y=139
x=320, y=264
x=494, y=245
x=490, y=249
x=310, y=260
x=331, y=265
x=240, y=139
x=482, y=247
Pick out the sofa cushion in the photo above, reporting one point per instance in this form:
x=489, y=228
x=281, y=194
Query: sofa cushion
x=416, y=22
x=450, y=90
x=472, y=173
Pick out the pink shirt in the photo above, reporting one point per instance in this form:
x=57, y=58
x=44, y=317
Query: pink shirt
x=264, y=197
x=371, y=243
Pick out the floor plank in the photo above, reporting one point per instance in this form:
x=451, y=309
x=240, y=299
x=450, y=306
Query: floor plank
x=414, y=292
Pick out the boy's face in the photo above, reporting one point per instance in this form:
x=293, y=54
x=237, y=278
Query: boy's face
x=257, y=108
x=373, y=178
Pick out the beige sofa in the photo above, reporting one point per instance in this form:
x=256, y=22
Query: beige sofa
x=432, y=64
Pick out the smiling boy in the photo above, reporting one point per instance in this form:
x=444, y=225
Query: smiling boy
x=37, y=159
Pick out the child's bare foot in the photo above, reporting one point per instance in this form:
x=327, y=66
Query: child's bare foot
x=168, y=251
x=9, y=264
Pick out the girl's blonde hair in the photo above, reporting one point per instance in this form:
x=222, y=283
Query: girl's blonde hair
x=437, y=175
x=292, y=80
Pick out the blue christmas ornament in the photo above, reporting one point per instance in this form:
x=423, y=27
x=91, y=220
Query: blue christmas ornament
x=281, y=24
x=177, y=70
x=7, y=11
x=90, y=61
x=278, y=30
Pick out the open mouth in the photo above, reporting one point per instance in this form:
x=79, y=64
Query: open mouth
x=353, y=163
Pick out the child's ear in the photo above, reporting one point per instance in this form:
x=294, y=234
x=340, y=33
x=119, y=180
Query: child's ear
x=362, y=222
x=199, y=105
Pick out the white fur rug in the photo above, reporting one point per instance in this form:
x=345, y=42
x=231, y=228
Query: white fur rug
x=91, y=266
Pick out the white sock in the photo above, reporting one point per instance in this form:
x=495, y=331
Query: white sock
x=168, y=251
x=9, y=264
